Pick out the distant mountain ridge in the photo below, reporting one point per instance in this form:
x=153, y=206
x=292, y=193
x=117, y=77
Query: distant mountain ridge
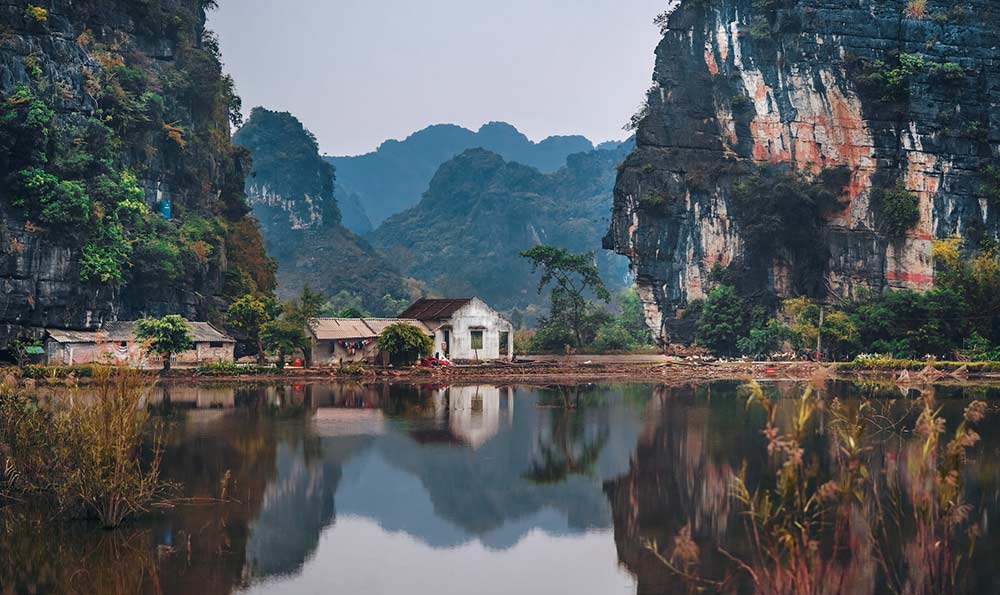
x=480, y=211
x=393, y=178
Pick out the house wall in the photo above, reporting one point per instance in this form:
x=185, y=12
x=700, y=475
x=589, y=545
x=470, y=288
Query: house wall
x=329, y=353
x=476, y=315
x=67, y=354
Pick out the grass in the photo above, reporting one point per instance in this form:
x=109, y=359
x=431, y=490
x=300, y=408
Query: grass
x=889, y=364
x=851, y=489
x=96, y=456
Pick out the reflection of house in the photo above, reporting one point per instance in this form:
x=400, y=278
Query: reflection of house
x=475, y=413
x=465, y=329
x=116, y=341
x=350, y=340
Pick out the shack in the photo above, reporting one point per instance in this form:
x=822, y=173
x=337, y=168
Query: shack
x=337, y=341
x=115, y=342
x=465, y=329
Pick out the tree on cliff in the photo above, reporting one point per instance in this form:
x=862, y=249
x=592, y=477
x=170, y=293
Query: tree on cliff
x=576, y=278
x=166, y=336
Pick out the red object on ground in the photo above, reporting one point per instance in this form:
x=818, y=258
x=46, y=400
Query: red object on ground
x=770, y=371
x=297, y=363
x=433, y=362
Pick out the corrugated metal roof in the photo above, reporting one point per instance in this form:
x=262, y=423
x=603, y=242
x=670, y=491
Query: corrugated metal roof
x=434, y=309
x=335, y=329
x=201, y=332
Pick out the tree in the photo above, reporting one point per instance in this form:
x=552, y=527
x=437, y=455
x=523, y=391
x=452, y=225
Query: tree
x=303, y=311
x=405, y=343
x=166, y=336
x=283, y=335
x=722, y=320
x=575, y=277
x=248, y=315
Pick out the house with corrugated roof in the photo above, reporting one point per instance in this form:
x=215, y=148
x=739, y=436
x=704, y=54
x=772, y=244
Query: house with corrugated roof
x=338, y=341
x=466, y=329
x=115, y=342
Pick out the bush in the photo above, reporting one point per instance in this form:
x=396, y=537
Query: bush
x=405, y=343
x=722, y=321
x=763, y=341
x=898, y=210
x=613, y=337
x=83, y=458
x=57, y=203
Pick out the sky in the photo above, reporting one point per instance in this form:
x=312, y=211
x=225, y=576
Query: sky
x=358, y=72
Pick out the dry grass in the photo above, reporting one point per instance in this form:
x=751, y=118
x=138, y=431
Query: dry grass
x=889, y=508
x=916, y=9
x=96, y=456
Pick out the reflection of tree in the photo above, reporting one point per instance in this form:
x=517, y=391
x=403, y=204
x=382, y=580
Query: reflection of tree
x=567, y=450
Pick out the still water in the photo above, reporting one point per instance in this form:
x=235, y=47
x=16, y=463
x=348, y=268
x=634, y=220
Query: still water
x=346, y=488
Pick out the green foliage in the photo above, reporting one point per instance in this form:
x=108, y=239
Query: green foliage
x=897, y=210
x=282, y=335
x=36, y=14
x=575, y=278
x=889, y=81
x=166, y=336
x=247, y=315
x=106, y=256
x=61, y=204
x=990, y=187
x=405, y=343
x=781, y=214
x=25, y=122
x=763, y=341
x=723, y=321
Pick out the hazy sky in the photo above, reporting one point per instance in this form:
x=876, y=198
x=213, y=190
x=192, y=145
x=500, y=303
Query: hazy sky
x=357, y=72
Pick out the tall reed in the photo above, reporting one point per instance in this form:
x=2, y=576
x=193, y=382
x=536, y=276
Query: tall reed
x=94, y=455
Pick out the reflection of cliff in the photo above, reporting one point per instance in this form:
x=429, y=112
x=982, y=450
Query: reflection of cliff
x=681, y=473
x=298, y=504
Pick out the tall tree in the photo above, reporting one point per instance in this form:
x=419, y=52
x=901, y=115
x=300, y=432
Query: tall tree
x=248, y=315
x=575, y=278
x=166, y=336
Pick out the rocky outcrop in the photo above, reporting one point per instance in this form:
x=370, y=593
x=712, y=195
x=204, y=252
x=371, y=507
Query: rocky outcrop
x=895, y=95
x=291, y=189
x=119, y=103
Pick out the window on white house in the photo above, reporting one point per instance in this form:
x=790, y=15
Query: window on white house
x=215, y=344
x=477, y=340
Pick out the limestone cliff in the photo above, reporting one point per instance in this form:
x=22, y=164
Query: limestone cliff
x=291, y=190
x=120, y=192
x=867, y=99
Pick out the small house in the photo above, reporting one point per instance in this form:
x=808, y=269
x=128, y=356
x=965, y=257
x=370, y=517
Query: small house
x=116, y=342
x=337, y=341
x=466, y=329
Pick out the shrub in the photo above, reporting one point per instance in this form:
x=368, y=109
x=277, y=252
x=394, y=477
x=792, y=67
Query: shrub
x=84, y=458
x=763, y=341
x=916, y=9
x=722, y=321
x=58, y=203
x=898, y=210
x=36, y=14
x=404, y=343
x=613, y=337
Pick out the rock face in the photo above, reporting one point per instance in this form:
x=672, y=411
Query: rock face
x=891, y=96
x=123, y=108
x=291, y=189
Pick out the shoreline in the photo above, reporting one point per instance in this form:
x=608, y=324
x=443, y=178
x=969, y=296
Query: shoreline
x=556, y=372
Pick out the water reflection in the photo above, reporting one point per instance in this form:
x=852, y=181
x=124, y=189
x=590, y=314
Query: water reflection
x=389, y=488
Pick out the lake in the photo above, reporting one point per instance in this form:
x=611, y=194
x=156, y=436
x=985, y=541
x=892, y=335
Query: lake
x=604, y=489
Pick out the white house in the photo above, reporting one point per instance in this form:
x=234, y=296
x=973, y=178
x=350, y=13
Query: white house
x=465, y=329
x=338, y=341
x=116, y=342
